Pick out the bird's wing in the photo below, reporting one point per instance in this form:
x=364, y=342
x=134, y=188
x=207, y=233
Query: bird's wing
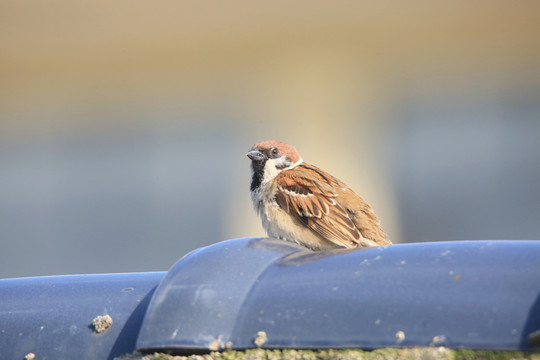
x=309, y=194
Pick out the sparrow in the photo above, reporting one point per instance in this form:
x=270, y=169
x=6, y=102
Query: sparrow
x=301, y=203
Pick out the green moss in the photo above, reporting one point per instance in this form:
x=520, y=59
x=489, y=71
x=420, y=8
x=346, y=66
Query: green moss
x=430, y=353
x=160, y=357
x=463, y=354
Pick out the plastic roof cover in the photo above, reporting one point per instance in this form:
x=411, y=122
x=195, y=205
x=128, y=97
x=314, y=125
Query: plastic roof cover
x=52, y=316
x=238, y=293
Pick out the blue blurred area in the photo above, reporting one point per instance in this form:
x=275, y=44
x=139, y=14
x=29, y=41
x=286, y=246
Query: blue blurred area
x=467, y=166
x=105, y=201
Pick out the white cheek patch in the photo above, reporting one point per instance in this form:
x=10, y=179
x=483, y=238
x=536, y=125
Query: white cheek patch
x=270, y=170
x=281, y=162
x=274, y=166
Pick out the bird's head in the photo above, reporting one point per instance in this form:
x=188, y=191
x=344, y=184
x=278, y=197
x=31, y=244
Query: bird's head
x=269, y=158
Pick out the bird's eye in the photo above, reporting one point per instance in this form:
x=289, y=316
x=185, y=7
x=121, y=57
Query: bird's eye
x=274, y=152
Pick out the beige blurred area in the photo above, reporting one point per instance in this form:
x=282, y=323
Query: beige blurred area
x=123, y=125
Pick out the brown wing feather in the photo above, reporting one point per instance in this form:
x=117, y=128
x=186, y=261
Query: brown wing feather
x=308, y=193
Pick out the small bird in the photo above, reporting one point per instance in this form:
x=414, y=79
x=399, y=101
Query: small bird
x=301, y=203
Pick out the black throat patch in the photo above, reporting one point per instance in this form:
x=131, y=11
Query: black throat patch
x=258, y=174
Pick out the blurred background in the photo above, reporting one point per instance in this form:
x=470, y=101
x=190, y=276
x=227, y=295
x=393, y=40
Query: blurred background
x=124, y=125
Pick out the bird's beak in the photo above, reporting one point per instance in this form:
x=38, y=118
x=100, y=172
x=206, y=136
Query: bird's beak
x=255, y=155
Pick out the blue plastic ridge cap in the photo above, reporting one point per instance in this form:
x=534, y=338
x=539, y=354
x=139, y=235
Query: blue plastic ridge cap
x=254, y=292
